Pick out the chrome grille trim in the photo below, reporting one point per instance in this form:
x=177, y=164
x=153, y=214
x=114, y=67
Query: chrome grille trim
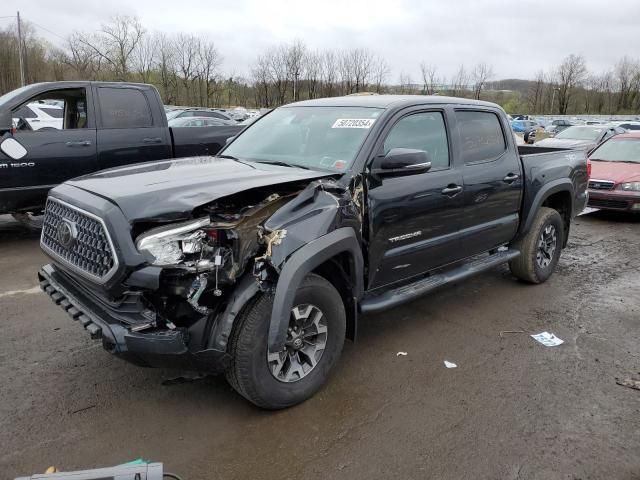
x=75, y=268
x=601, y=184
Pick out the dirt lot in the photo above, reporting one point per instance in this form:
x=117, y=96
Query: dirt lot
x=511, y=409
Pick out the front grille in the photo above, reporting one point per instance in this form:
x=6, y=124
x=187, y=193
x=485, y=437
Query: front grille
x=78, y=239
x=606, y=203
x=601, y=184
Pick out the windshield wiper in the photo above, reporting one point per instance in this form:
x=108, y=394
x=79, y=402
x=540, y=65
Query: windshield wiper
x=283, y=164
x=235, y=159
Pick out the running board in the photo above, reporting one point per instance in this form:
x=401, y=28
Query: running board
x=416, y=289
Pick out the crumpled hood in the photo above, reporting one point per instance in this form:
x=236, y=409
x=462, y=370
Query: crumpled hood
x=618, y=172
x=173, y=188
x=566, y=143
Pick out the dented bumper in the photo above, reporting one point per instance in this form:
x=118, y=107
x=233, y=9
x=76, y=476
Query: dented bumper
x=115, y=326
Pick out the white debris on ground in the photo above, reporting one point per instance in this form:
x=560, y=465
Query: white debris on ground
x=548, y=339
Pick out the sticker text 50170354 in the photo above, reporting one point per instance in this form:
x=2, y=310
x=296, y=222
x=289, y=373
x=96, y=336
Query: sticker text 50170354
x=353, y=123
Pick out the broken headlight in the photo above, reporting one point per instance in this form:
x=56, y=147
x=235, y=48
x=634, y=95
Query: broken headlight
x=168, y=245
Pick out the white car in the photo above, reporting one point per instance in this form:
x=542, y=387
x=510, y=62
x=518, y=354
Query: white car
x=40, y=115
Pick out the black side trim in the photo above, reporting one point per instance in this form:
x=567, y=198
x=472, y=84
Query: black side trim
x=405, y=293
x=300, y=264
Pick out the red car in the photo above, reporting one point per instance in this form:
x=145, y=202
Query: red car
x=614, y=183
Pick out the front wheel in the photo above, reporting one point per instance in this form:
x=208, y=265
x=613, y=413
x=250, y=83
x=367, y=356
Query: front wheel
x=314, y=342
x=540, y=248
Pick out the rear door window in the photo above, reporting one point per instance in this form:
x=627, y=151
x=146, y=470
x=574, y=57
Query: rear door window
x=481, y=134
x=124, y=108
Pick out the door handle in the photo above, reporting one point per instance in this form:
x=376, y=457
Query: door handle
x=81, y=143
x=452, y=190
x=152, y=140
x=511, y=177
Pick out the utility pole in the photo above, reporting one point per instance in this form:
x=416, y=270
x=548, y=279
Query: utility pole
x=553, y=97
x=20, y=52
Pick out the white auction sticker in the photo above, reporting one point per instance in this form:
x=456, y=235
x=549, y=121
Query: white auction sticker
x=353, y=123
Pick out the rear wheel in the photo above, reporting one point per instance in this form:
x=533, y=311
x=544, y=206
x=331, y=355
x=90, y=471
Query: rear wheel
x=315, y=337
x=540, y=248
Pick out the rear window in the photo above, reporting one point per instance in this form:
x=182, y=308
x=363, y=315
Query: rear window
x=482, y=136
x=124, y=108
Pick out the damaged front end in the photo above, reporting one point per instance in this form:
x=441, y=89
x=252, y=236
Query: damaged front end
x=198, y=274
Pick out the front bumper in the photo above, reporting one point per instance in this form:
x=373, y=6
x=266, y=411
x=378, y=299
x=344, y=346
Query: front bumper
x=614, y=200
x=115, y=326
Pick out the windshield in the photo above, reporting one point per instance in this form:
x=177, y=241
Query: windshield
x=323, y=138
x=173, y=114
x=618, y=150
x=580, y=133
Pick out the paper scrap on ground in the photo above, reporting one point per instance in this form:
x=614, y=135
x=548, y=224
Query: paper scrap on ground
x=548, y=339
x=449, y=364
x=404, y=354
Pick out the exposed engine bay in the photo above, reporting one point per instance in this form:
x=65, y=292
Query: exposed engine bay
x=203, y=258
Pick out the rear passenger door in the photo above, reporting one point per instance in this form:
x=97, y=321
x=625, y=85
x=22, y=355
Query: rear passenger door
x=128, y=131
x=492, y=179
x=414, y=220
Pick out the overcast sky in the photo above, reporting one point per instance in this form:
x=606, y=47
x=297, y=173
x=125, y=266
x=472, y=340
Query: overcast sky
x=517, y=38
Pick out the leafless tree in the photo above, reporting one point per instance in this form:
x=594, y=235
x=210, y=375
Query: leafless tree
x=480, y=74
x=165, y=66
x=406, y=84
x=209, y=60
x=82, y=58
x=313, y=73
x=187, y=48
x=261, y=76
x=535, y=95
x=294, y=61
x=460, y=82
x=568, y=75
x=329, y=72
x=429, y=78
x=379, y=73
x=144, y=58
x=115, y=43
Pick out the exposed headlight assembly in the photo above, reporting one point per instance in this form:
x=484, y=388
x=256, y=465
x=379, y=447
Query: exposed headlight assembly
x=167, y=245
x=630, y=187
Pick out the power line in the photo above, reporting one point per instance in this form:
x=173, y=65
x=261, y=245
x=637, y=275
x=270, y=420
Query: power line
x=47, y=30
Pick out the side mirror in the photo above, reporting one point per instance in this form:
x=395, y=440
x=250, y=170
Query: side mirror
x=12, y=148
x=229, y=140
x=402, y=161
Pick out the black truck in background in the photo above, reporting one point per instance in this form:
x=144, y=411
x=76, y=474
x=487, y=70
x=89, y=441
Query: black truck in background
x=259, y=262
x=104, y=125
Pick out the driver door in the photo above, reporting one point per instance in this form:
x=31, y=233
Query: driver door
x=56, y=155
x=414, y=220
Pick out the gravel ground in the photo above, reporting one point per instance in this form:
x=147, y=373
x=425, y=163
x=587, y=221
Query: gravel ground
x=512, y=408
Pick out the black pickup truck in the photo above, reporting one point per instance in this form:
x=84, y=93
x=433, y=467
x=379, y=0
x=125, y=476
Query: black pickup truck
x=102, y=125
x=259, y=262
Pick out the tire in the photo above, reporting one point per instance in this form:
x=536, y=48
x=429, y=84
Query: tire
x=32, y=222
x=529, y=266
x=250, y=372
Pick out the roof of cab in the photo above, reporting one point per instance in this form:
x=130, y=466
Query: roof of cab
x=388, y=101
